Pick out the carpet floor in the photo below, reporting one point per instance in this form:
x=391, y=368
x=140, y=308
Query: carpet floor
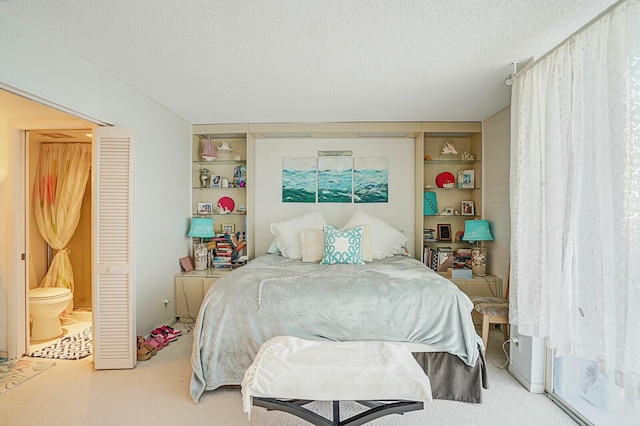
x=157, y=392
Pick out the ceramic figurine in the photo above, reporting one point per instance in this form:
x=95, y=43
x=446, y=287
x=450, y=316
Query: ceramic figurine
x=448, y=148
x=204, y=177
x=222, y=209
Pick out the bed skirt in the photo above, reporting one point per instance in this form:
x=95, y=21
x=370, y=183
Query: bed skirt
x=451, y=378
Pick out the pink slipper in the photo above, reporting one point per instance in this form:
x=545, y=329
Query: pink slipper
x=171, y=330
x=161, y=341
x=152, y=342
x=160, y=332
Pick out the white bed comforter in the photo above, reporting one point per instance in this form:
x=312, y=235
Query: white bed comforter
x=394, y=299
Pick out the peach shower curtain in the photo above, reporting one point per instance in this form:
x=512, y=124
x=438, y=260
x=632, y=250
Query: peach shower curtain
x=61, y=179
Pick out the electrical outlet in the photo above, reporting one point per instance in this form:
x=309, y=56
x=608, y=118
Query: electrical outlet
x=165, y=303
x=515, y=340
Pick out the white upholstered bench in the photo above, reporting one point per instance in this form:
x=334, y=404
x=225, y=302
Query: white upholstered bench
x=289, y=372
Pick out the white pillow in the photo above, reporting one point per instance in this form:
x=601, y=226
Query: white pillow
x=385, y=240
x=287, y=232
x=312, y=245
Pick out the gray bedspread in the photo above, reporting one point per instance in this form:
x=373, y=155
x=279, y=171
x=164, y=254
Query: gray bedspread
x=394, y=299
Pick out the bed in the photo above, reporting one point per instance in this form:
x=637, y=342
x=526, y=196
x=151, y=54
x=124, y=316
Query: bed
x=394, y=298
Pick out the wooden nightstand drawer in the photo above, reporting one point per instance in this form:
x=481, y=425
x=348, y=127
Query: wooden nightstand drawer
x=489, y=285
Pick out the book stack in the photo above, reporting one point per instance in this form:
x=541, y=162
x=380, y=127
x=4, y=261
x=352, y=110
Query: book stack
x=463, y=258
x=223, y=252
x=429, y=235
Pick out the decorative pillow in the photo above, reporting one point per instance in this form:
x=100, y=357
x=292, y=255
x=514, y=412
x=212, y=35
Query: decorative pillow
x=287, y=232
x=386, y=241
x=312, y=245
x=342, y=245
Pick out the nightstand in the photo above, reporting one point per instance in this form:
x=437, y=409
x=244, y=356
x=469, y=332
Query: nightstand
x=489, y=285
x=190, y=288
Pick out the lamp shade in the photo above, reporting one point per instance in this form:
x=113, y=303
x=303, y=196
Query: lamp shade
x=477, y=230
x=201, y=227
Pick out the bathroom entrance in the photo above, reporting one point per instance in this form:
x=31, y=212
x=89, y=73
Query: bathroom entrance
x=77, y=315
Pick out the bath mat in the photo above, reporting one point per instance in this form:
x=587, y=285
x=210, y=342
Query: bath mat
x=16, y=371
x=73, y=347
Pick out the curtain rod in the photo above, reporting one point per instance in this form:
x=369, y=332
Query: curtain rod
x=531, y=63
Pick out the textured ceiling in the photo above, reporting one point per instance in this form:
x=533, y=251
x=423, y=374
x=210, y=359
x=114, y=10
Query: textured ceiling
x=215, y=61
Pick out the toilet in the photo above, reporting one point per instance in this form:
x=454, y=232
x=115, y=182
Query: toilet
x=45, y=306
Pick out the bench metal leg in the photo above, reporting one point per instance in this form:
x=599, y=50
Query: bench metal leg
x=377, y=409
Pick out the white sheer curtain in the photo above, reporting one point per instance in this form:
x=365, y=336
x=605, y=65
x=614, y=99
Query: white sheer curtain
x=60, y=182
x=575, y=196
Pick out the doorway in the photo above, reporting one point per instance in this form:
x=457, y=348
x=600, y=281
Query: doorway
x=19, y=115
x=78, y=316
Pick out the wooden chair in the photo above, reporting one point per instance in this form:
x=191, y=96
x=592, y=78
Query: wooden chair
x=493, y=310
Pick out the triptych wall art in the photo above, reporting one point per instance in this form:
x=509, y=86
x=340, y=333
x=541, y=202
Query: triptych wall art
x=335, y=178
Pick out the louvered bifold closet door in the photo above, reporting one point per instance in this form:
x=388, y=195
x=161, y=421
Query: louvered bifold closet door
x=113, y=292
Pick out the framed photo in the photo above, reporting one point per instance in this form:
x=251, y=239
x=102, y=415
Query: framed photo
x=466, y=179
x=216, y=181
x=228, y=228
x=444, y=232
x=448, y=211
x=205, y=208
x=468, y=209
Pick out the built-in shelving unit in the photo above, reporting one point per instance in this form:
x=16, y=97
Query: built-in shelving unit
x=224, y=171
x=467, y=140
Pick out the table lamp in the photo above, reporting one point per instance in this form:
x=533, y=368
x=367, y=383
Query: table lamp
x=478, y=231
x=201, y=227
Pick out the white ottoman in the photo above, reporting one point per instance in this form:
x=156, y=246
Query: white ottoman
x=289, y=372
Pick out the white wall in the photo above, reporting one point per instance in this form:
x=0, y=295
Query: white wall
x=495, y=182
x=399, y=211
x=526, y=361
x=162, y=173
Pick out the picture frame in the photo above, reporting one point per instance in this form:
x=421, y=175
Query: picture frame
x=205, y=208
x=468, y=208
x=228, y=228
x=466, y=179
x=216, y=181
x=444, y=232
x=448, y=211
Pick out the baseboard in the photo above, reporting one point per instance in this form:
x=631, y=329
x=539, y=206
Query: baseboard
x=531, y=387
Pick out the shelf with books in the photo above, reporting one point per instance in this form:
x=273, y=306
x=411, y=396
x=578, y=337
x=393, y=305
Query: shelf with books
x=452, y=180
x=219, y=179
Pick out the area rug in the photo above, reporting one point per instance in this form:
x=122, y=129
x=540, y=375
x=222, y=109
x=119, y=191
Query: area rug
x=16, y=371
x=73, y=347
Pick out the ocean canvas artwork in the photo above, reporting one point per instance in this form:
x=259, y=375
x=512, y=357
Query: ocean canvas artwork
x=335, y=179
x=299, y=179
x=371, y=180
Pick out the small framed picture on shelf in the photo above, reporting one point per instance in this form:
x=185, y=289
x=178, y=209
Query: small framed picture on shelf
x=466, y=179
x=468, y=208
x=216, y=181
x=228, y=228
x=205, y=208
x=444, y=232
